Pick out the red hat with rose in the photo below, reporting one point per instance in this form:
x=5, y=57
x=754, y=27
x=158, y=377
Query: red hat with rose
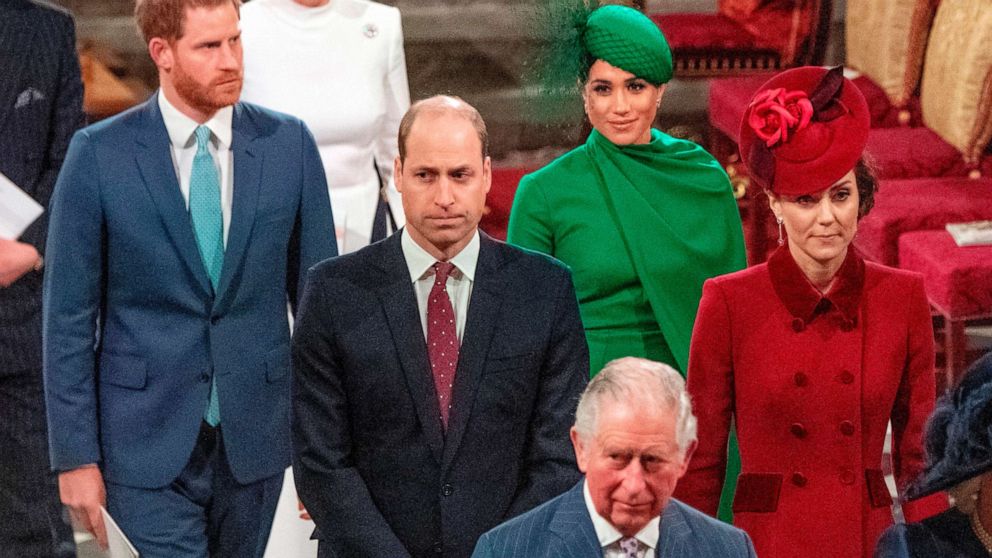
x=804, y=130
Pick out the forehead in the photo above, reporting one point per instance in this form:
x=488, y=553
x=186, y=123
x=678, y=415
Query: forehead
x=437, y=136
x=203, y=21
x=620, y=426
x=603, y=70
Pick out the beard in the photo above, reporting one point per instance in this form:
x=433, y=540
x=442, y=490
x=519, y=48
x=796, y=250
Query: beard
x=209, y=97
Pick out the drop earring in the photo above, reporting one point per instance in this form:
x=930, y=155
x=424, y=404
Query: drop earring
x=781, y=240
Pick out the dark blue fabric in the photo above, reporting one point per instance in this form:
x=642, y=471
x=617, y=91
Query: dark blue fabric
x=947, y=535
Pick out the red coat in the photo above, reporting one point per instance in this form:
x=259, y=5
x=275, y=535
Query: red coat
x=811, y=382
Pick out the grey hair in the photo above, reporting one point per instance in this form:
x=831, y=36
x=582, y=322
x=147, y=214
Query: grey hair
x=632, y=381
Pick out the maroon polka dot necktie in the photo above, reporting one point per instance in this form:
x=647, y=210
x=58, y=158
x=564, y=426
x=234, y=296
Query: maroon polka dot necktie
x=442, y=338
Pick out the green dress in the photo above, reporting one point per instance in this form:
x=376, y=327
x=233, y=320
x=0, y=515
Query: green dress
x=641, y=227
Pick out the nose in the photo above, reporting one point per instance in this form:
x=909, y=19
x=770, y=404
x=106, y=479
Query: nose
x=621, y=102
x=825, y=211
x=231, y=56
x=443, y=195
x=633, y=478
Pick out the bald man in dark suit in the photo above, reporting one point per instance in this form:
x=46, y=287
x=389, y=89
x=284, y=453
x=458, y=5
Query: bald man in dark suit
x=40, y=107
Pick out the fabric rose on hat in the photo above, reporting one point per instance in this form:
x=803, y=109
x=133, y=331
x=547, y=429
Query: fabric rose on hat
x=776, y=113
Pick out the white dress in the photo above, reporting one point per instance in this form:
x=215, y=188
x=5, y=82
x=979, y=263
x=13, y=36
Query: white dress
x=341, y=69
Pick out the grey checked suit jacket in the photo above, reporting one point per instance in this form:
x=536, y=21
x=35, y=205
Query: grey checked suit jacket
x=562, y=528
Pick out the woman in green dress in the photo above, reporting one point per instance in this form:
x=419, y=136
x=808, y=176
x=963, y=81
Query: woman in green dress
x=642, y=218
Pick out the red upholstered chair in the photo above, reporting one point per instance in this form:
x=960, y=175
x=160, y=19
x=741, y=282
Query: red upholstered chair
x=904, y=206
x=959, y=287
x=747, y=36
x=496, y=215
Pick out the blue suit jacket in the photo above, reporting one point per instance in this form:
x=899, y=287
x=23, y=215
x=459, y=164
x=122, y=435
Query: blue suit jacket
x=41, y=105
x=133, y=332
x=562, y=528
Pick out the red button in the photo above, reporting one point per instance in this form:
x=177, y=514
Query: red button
x=847, y=428
x=798, y=325
x=846, y=377
x=801, y=379
x=799, y=479
x=847, y=476
x=798, y=430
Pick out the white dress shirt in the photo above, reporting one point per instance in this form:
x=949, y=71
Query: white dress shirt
x=420, y=264
x=609, y=537
x=181, y=130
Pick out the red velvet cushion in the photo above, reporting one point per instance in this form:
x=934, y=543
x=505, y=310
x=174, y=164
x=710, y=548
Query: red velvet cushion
x=883, y=113
x=728, y=100
x=500, y=200
x=958, y=279
x=903, y=206
x=707, y=32
x=913, y=153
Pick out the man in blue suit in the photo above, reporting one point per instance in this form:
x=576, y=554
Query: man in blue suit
x=41, y=106
x=633, y=436
x=178, y=231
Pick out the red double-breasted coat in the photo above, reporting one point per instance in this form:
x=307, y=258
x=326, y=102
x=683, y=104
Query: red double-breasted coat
x=811, y=382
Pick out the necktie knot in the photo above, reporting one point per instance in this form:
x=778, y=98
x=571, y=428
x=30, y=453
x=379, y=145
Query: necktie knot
x=202, y=138
x=629, y=546
x=442, y=270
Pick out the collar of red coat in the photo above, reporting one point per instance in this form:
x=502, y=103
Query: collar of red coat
x=803, y=300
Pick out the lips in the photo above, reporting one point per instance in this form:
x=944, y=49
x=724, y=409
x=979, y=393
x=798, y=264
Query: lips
x=622, y=124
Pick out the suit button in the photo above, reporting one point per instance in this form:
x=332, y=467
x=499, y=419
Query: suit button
x=847, y=476
x=438, y=548
x=798, y=430
x=847, y=428
x=801, y=379
x=205, y=377
x=798, y=325
x=214, y=320
x=799, y=479
x=447, y=489
x=846, y=377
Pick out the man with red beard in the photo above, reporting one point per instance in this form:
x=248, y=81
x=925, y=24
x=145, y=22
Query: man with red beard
x=178, y=231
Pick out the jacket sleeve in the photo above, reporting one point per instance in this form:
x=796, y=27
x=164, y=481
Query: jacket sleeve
x=530, y=221
x=72, y=296
x=66, y=118
x=327, y=482
x=549, y=467
x=710, y=385
x=914, y=403
x=313, y=238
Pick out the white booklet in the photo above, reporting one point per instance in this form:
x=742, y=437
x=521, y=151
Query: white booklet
x=974, y=233
x=17, y=209
x=117, y=544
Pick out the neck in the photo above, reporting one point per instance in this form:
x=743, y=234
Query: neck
x=820, y=273
x=312, y=3
x=440, y=253
x=983, y=508
x=175, y=99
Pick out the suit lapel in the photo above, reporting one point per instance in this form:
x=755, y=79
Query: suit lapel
x=573, y=526
x=246, y=184
x=154, y=158
x=483, y=311
x=399, y=302
x=673, y=532
x=15, y=30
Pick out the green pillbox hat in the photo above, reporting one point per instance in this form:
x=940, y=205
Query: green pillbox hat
x=629, y=40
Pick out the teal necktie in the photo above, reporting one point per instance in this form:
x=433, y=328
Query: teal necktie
x=208, y=225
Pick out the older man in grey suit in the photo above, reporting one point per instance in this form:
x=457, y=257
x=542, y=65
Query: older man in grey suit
x=633, y=436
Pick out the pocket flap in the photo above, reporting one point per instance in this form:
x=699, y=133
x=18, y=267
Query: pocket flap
x=757, y=492
x=277, y=363
x=124, y=371
x=878, y=491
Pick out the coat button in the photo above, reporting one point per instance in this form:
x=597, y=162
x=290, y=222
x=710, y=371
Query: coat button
x=847, y=476
x=801, y=379
x=447, y=489
x=847, y=325
x=847, y=428
x=438, y=547
x=799, y=479
x=798, y=430
x=214, y=320
x=205, y=377
x=798, y=325
x=846, y=377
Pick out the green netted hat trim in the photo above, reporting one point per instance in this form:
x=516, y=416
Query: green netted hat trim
x=629, y=40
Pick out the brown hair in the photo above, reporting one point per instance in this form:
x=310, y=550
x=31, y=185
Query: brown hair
x=864, y=176
x=165, y=18
x=440, y=104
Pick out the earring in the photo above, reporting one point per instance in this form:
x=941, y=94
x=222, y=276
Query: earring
x=781, y=240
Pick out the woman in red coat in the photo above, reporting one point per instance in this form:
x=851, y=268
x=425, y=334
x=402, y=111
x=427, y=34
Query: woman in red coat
x=811, y=354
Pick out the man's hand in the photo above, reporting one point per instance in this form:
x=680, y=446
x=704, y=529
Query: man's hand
x=83, y=492
x=16, y=259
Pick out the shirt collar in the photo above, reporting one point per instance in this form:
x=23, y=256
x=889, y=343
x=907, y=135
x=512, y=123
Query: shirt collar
x=803, y=300
x=419, y=261
x=608, y=534
x=181, y=127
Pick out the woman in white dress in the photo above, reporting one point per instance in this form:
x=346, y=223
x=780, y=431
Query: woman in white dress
x=339, y=66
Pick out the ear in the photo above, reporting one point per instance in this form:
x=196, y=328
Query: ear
x=161, y=53
x=687, y=457
x=398, y=174
x=774, y=203
x=487, y=173
x=580, y=449
x=661, y=94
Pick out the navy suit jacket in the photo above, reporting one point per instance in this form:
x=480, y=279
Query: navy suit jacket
x=133, y=331
x=376, y=470
x=41, y=105
x=562, y=528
